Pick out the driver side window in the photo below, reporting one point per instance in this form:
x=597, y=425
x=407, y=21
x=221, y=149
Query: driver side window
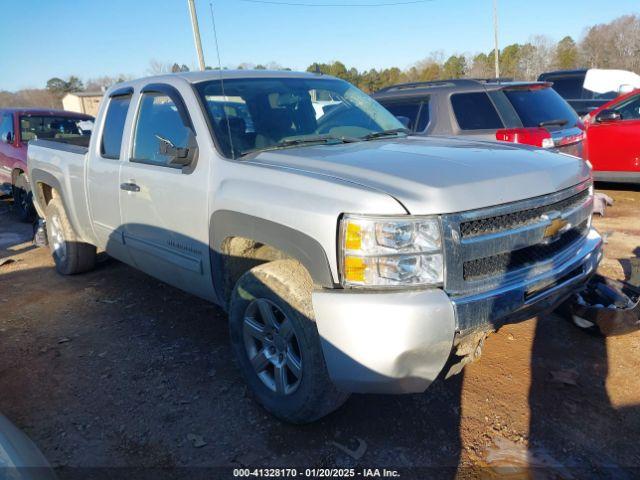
x=630, y=109
x=158, y=125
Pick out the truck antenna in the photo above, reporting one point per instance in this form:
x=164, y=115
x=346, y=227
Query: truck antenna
x=224, y=95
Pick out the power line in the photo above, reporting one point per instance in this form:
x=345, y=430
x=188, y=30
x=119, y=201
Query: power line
x=350, y=5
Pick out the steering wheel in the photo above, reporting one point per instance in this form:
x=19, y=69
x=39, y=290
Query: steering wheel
x=324, y=124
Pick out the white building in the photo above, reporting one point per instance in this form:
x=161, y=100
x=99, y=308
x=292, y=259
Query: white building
x=82, y=102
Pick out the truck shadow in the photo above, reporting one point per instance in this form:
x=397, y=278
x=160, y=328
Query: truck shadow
x=569, y=403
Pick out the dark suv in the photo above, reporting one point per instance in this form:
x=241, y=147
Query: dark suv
x=530, y=113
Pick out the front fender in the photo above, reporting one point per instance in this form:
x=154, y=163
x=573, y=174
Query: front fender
x=295, y=244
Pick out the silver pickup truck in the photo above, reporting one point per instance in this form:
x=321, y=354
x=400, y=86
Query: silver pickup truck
x=350, y=256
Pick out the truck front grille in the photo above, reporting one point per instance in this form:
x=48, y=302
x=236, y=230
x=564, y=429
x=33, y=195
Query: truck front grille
x=492, y=247
x=495, y=224
x=505, y=262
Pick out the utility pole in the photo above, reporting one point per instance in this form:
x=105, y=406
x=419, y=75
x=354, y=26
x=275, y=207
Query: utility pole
x=196, y=33
x=496, y=53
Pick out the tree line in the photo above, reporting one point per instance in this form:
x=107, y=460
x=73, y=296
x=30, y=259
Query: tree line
x=609, y=45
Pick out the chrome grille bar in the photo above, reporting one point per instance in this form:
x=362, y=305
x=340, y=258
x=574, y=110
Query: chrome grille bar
x=572, y=208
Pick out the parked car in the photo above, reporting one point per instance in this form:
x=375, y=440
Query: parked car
x=17, y=127
x=350, y=256
x=588, y=89
x=613, y=139
x=519, y=112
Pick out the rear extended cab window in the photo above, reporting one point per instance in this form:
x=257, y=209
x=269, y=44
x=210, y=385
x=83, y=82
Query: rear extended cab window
x=535, y=106
x=114, y=126
x=567, y=86
x=415, y=109
x=475, y=111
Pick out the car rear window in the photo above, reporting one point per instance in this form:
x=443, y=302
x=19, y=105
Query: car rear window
x=541, y=105
x=416, y=110
x=474, y=111
x=54, y=127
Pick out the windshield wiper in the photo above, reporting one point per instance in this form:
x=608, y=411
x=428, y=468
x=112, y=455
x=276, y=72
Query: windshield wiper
x=293, y=142
x=385, y=133
x=557, y=121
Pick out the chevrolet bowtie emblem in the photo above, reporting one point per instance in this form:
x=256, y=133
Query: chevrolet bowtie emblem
x=558, y=225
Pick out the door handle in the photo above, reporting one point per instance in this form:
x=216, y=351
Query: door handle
x=130, y=187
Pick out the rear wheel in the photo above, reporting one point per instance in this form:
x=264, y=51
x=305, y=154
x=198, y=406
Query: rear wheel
x=23, y=199
x=276, y=342
x=69, y=254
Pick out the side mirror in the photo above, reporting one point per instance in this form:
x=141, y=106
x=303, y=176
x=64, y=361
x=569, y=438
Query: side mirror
x=608, y=116
x=7, y=137
x=178, y=156
x=405, y=121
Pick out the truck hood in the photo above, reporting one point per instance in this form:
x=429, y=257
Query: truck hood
x=435, y=175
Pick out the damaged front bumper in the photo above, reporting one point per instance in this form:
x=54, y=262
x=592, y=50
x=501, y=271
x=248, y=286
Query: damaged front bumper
x=399, y=342
x=531, y=296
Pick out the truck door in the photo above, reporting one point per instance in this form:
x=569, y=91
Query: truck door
x=103, y=175
x=163, y=199
x=615, y=145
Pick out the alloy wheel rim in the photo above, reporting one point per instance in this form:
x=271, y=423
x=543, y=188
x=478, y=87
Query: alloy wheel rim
x=272, y=346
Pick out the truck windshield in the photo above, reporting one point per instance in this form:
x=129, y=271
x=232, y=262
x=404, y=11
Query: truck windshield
x=541, y=106
x=54, y=127
x=255, y=114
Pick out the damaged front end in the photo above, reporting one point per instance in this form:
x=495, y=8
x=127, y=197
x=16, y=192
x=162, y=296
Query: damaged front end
x=606, y=306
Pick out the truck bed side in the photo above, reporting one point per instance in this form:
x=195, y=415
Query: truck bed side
x=61, y=166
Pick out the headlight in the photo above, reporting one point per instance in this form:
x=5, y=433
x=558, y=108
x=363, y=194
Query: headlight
x=390, y=251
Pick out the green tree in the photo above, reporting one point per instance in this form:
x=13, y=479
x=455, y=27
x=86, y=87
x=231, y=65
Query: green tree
x=454, y=67
x=74, y=84
x=482, y=66
x=56, y=85
x=510, y=61
x=59, y=86
x=336, y=69
x=566, y=54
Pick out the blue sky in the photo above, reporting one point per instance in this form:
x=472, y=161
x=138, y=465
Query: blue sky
x=47, y=38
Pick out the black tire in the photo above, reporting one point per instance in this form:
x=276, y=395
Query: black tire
x=70, y=255
x=23, y=199
x=286, y=286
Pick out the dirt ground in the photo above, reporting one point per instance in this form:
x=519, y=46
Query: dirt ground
x=114, y=369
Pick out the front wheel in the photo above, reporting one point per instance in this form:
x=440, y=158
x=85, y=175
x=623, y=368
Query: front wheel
x=69, y=254
x=277, y=345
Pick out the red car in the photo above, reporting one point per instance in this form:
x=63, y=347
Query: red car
x=612, y=143
x=17, y=127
